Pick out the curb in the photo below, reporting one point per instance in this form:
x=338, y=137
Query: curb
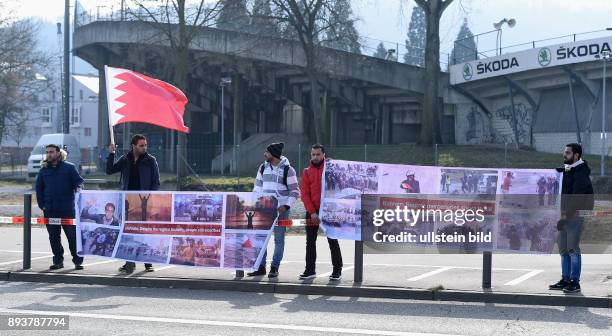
x=316, y=289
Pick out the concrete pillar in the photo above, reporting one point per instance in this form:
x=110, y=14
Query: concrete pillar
x=386, y=123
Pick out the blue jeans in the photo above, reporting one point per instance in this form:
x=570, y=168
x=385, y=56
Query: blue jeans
x=279, y=243
x=569, y=248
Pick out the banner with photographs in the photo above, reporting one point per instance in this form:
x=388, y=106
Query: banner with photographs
x=508, y=198
x=204, y=229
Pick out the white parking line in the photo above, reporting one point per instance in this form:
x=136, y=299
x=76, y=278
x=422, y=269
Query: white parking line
x=13, y=251
x=523, y=278
x=329, y=273
x=101, y=262
x=164, y=268
x=21, y=260
x=428, y=274
x=235, y=324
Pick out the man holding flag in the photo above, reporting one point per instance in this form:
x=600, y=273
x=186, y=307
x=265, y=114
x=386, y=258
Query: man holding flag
x=134, y=97
x=139, y=171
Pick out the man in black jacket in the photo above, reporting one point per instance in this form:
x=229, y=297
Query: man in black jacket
x=577, y=194
x=139, y=171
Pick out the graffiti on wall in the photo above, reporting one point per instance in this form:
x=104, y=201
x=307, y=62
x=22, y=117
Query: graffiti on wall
x=476, y=130
x=523, y=119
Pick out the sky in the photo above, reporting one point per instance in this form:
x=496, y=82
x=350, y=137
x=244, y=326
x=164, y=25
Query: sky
x=387, y=20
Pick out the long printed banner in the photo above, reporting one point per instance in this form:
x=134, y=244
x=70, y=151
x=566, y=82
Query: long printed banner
x=205, y=229
x=513, y=195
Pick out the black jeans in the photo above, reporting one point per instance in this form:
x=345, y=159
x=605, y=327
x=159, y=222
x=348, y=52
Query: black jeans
x=311, y=249
x=55, y=238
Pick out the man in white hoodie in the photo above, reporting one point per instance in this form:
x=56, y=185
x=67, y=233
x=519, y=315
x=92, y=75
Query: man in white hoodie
x=276, y=177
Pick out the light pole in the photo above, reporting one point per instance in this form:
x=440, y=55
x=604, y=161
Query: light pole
x=605, y=56
x=498, y=25
x=225, y=81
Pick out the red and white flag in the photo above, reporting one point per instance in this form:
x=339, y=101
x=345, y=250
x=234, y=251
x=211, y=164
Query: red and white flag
x=134, y=97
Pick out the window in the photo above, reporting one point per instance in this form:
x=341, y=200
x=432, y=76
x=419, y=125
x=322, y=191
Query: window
x=46, y=115
x=75, y=116
x=87, y=131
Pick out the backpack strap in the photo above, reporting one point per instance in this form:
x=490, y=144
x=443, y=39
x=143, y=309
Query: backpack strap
x=285, y=174
x=262, y=168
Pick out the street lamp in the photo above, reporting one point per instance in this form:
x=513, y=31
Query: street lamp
x=604, y=56
x=498, y=25
x=225, y=81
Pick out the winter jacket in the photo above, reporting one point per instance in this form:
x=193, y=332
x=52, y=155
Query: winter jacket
x=147, y=165
x=311, y=187
x=270, y=183
x=576, y=190
x=55, y=189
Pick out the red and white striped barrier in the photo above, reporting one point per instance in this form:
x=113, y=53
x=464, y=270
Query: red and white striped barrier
x=38, y=220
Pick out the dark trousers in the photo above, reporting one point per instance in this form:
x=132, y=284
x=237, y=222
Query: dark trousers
x=55, y=238
x=311, y=249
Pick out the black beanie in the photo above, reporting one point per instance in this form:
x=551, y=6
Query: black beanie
x=276, y=149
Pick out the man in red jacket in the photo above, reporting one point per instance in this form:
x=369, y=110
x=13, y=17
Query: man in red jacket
x=311, y=196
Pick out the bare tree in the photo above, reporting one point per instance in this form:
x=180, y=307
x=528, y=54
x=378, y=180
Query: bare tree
x=21, y=66
x=430, y=127
x=179, y=23
x=310, y=21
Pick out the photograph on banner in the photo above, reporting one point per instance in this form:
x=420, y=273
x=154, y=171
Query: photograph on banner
x=341, y=218
x=97, y=240
x=243, y=211
x=401, y=179
x=527, y=231
x=105, y=208
x=457, y=181
x=348, y=179
x=243, y=249
x=148, y=207
x=529, y=189
x=144, y=248
x=196, y=251
x=200, y=207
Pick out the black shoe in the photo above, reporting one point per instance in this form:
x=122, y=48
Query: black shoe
x=125, y=269
x=56, y=266
x=149, y=269
x=308, y=275
x=273, y=272
x=78, y=267
x=559, y=285
x=573, y=287
x=336, y=275
x=261, y=271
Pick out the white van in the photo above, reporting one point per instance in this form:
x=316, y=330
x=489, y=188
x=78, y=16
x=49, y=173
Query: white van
x=67, y=142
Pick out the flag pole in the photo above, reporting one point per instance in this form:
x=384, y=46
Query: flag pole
x=108, y=104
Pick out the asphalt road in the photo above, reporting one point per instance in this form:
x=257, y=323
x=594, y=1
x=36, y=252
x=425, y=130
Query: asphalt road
x=511, y=273
x=101, y=310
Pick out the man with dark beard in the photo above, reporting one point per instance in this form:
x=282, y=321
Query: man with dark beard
x=311, y=196
x=576, y=194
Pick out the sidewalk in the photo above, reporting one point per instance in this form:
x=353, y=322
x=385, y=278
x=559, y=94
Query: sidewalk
x=518, y=279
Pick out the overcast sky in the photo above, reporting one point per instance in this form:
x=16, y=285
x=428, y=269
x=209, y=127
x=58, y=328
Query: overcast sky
x=388, y=19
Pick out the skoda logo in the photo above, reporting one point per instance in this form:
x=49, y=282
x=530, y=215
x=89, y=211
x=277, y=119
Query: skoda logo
x=544, y=56
x=467, y=71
